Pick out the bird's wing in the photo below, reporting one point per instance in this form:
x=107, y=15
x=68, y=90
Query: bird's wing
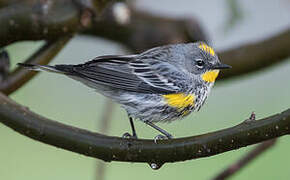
x=129, y=73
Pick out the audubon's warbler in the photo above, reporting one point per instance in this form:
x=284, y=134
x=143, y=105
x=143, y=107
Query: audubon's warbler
x=159, y=85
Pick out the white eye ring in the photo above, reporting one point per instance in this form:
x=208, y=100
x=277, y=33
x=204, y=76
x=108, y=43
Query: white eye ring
x=199, y=63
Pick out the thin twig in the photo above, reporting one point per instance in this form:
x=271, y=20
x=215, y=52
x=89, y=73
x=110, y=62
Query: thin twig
x=105, y=123
x=42, y=56
x=109, y=148
x=252, y=155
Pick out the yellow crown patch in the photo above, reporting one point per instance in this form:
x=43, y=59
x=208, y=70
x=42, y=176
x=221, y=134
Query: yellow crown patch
x=206, y=48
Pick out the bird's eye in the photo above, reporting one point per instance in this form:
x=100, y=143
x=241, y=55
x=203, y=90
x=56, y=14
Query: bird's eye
x=199, y=63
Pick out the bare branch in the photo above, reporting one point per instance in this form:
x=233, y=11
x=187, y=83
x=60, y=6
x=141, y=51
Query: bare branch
x=109, y=148
x=256, y=152
x=43, y=56
x=145, y=30
x=38, y=20
x=255, y=56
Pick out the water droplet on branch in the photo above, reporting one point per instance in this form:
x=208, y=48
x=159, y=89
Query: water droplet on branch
x=156, y=166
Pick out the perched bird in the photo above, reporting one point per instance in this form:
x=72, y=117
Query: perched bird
x=159, y=85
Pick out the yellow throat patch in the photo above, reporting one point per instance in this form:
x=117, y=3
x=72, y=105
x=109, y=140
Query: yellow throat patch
x=179, y=100
x=210, y=76
x=206, y=48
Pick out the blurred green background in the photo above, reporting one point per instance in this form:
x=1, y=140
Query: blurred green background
x=266, y=92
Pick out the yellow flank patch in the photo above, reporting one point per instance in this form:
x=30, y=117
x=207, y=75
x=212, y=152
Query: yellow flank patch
x=179, y=100
x=210, y=76
x=206, y=48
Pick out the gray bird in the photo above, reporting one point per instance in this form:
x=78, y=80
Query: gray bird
x=159, y=85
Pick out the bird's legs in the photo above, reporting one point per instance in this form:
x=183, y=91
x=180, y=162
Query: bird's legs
x=158, y=137
x=169, y=136
x=132, y=127
x=134, y=135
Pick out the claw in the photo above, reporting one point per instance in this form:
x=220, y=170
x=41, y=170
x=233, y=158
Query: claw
x=161, y=137
x=128, y=136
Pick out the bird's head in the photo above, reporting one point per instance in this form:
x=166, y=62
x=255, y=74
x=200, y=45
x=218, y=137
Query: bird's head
x=204, y=63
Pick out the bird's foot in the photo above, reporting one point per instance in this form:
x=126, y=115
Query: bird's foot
x=129, y=136
x=162, y=137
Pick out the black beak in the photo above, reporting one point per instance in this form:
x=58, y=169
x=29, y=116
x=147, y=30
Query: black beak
x=221, y=66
